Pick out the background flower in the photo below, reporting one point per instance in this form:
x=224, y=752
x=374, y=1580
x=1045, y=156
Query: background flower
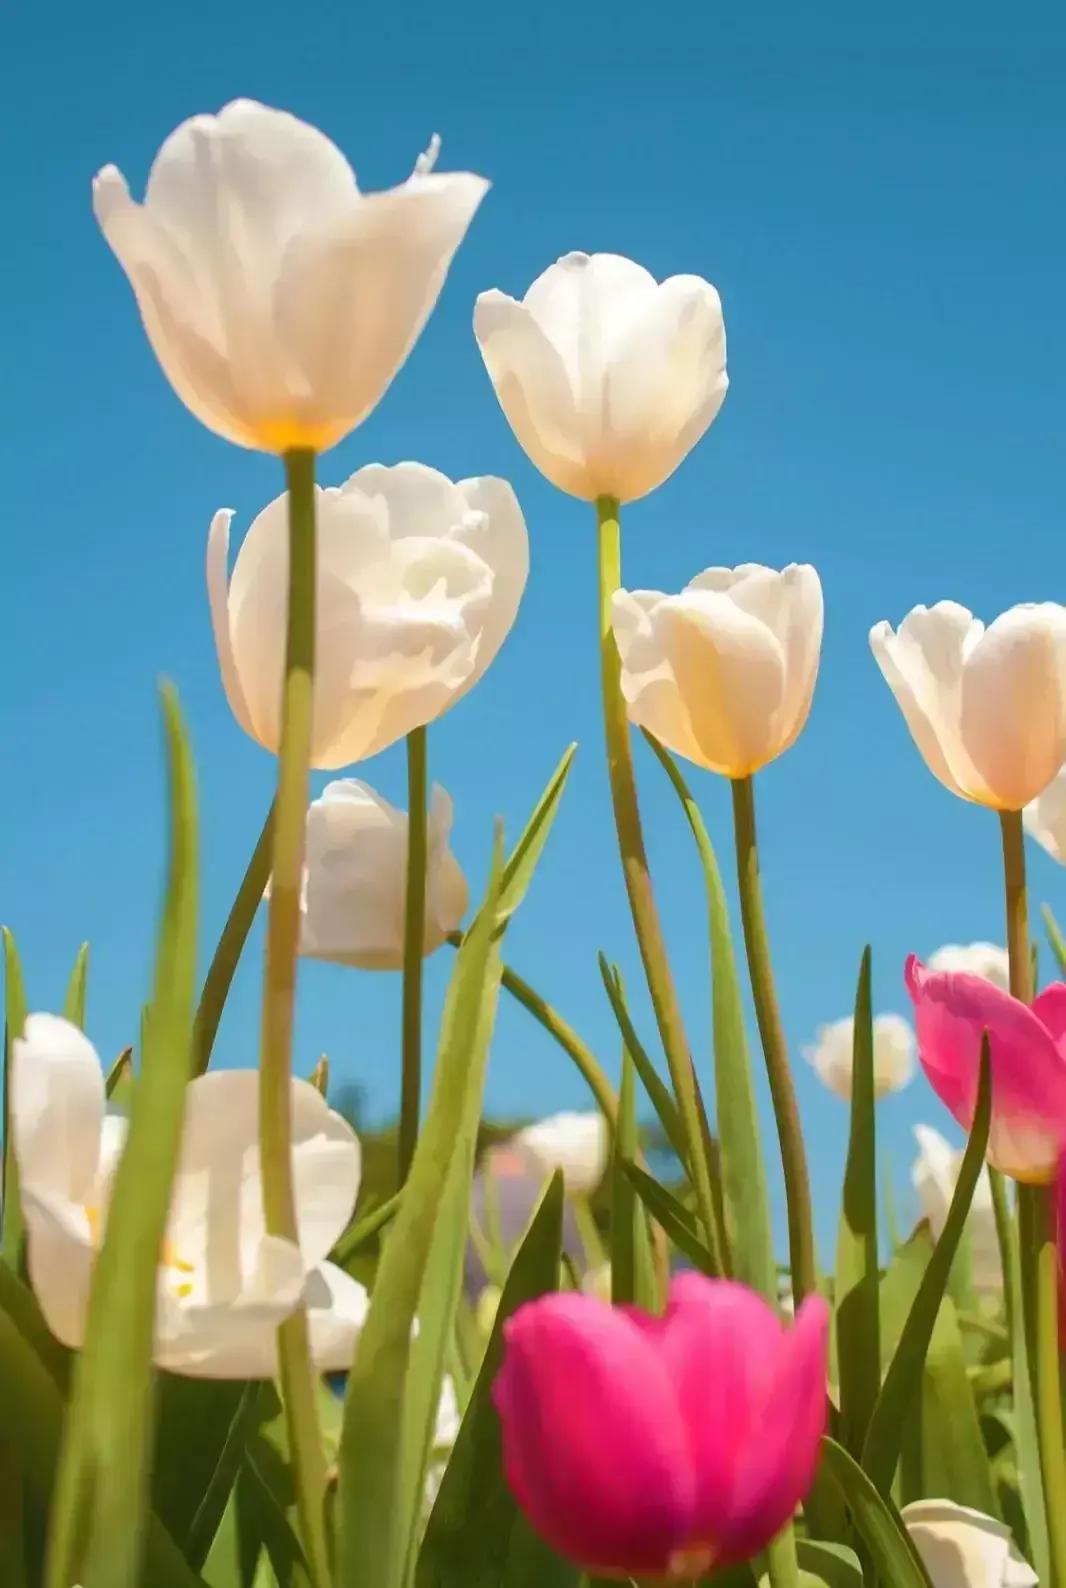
x=832, y=1054
x=933, y=1175
x=978, y=959
x=963, y=1548
x=575, y=1143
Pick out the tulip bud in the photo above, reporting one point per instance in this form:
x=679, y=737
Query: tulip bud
x=723, y=674
x=1027, y=1051
x=986, y=708
x=419, y=581
x=355, y=902
x=1045, y=818
x=832, y=1055
x=662, y=1447
x=607, y=377
x=963, y=1548
x=978, y=959
x=279, y=300
x=575, y=1143
x=933, y=1176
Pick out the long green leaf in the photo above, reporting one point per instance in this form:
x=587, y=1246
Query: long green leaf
x=77, y=988
x=196, y=1459
x=102, y=1487
x=892, y=1553
x=903, y=1380
x=954, y=1460
x=364, y=1229
x=632, y=1261
x=658, y=1092
x=371, y=1552
x=477, y=1537
x=833, y=1564
x=857, y=1278
x=675, y=1219
x=1055, y=938
x=522, y=861
x=14, y=1020
x=743, y=1169
x=224, y=961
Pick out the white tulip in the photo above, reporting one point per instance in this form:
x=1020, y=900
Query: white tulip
x=607, y=377
x=280, y=300
x=832, y=1054
x=962, y=1548
x=575, y=1143
x=224, y=1285
x=933, y=1176
x=419, y=581
x=1045, y=817
x=986, y=707
x=974, y=959
x=446, y=1428
x=354, y=902
x=723, y=673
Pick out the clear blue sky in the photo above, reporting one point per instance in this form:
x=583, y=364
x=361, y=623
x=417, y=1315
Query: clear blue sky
x=877, y=192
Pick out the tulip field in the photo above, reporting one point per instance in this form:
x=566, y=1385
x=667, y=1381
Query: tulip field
x=246, y=1344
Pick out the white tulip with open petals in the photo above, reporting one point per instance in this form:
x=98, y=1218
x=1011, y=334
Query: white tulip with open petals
x=1045, y=818
x=419, y=582
x=279, y=300
x=224, y=1285
x=964, y=1548
x=607, y=377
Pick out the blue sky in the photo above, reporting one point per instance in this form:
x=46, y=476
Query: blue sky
x=878, y=194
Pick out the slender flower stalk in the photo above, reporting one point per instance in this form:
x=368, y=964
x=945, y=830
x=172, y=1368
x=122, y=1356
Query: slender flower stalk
x=775, y=1051
x=1036, y=1235
x=635, y=861
x=298, y=1385
x=223, y=966
x=414, y=932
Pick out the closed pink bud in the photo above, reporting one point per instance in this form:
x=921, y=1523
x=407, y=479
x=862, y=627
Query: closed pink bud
x=1027, y=1050
x=642, y=1446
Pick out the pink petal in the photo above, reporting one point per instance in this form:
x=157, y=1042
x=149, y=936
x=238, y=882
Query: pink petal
x=1049, y=1007
x=594, y=1446
x=1060, y=1232
x=753, y=1398
x=952, y=1011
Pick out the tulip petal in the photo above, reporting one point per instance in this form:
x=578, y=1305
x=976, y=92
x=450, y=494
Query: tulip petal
x=218, y=600
x=652, y=697
x=60, y=1253
x=923, y=666
x=337, y=1306
x=57, y=1108
x=963, y=1548
x=1045, y=818
x=235, y=1338
x=497, y=534
x=1012, y=717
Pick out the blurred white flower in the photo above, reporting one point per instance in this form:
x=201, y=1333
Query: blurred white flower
x=445, y=1433
x=962, y=1548
x=419, y=581
x=224, y=1285
x=986, y=707
x=607, y=377
x=974, y=959
x=575, y=1143
x=279, y=300
x=1045, y=818
x=831, y=1054
x=597, y=1282
x=723, y=673
x=354, y=902
x=933, y=1176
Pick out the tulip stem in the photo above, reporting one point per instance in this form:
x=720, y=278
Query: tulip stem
x=298, y=1384
x=414, y=933
x=227, y=955
x=775, y=1050
x=635, y=865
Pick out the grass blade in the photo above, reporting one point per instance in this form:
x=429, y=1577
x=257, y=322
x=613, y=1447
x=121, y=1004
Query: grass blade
x=77, y=987
x=856, y=1312
x=676, y=1220
x=888, y=1544
x=658, y=1092
x=524, y=857
x=632, y=1261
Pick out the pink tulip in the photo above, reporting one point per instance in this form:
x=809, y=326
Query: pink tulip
x=1027, y=1047
x=1060, y=1232
x=641, y=1446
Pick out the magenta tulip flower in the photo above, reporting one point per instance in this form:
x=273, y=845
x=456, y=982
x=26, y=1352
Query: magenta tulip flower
x=1027, y=1048
x=657, y=1447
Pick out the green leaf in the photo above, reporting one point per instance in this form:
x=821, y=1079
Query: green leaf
x=77, y=986
x=101, y=1497
x=522, y=861
x=14, y=1020
x=365, y=1229
x=632, y=1261
x=903, y=1380
x=888, y=1198
x=226, y=958
x=833, y=1564
x=658, y=1092
x=477, y=1537
x=371, y=1547
x=1055, y=938
x=201, y=1428
x=895, y=1559
x=744, y=1187
x=13, y=1573
x=857, y=1277
x=677, y=1221
x=954, y=1460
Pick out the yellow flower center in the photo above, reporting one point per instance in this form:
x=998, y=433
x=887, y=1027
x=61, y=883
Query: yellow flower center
x=169, y=1257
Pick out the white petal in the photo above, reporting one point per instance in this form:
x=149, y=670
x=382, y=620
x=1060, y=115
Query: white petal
x=963, y=1548
x=60, y=1254
x=496, y=530
x=57, y=1108
x=337, y=1306
x=923, y=666
x=1013, y=719
x=218, y=601
x=1045, y=818
x=235, y=1339
x=650, y=689
x=575, y=1143
x=832, y=1055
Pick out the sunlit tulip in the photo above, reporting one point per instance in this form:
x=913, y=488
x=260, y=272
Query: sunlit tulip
x=979, y=959
x=1045, y=818
x=723, y=673
x=223, y=1284
x=607, y=377
x=1027, y=1047
x=986, y=707
x=280, y=300
x=575, y=1143
x=833, y=1051
x=354, y=901
x=660, y=1447
x=419, y=581
x=961, y=1548
x=933, y=1175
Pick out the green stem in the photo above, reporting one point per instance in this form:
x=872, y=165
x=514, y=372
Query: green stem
x=299, y=1385
x=1036, y=1231
x=775, y=1050
x=1005, y=1238
x=414, y=934
x=227, y=955
x=635, y=861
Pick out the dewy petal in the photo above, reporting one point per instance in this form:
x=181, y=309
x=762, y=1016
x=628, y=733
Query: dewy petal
x=1012, y=716
x=57, y=1108
x=603, y=1471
